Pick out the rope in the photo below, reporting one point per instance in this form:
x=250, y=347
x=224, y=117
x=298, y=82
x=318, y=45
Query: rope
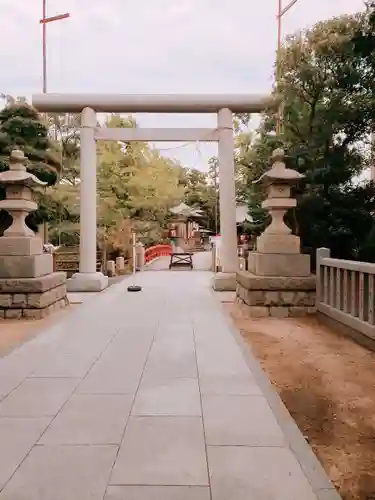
x=185, y=144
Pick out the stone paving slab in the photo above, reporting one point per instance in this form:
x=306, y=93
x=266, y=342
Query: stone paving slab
x=17, y=437
x=157, y=493
x=62, y=473
x=256, y=473
x=162, y=451
x=147, y=396
x=240, y=421
x=90, y=419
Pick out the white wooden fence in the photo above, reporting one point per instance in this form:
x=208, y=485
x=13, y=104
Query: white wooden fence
x=345, y=291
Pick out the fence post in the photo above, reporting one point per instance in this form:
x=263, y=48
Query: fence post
x=321, y=253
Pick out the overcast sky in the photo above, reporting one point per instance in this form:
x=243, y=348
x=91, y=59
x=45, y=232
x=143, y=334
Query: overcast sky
x=152, y=46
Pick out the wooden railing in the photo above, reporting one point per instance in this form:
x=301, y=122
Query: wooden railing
x=157, y=251
x=345, y=291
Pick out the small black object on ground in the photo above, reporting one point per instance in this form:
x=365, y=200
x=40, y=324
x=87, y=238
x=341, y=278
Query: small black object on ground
x=134, y=288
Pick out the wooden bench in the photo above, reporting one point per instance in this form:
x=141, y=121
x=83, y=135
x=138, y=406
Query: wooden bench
x=181, y=259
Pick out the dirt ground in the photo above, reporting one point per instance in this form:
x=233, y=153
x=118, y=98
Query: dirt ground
x=327, y=382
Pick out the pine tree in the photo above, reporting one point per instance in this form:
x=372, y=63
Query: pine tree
x=21, y=127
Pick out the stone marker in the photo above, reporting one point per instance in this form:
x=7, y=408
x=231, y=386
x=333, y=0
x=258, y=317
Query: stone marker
x=111, y=268
x=28, y=286
x=140, y=256
x=278, y=281
x=120, y=265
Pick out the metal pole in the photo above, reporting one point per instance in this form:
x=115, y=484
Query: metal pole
x=280, y=12
x=44, y=22
x=44, y=56
x=44, y=45
x=279, y=111
x=216, y=203
x=133, y=287
x=134, y=255
x=288, y=7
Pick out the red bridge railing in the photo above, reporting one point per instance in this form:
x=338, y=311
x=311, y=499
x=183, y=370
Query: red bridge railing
x=157, y=251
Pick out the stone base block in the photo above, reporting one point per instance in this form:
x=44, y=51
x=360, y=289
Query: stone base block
x=26, y=266
x=47, y=311
x=224, y=282
x=34, y=313
x=87, y=282
x=278, y=244
x=276, y=312
x=269, y=264
x=279, y=297
x=10, y=246
x=32, y=285
x=32, y=298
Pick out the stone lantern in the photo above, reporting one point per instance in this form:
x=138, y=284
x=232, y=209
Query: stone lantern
x=278, y=251
x=278, y=281
x=19, y=199
x=28, y=285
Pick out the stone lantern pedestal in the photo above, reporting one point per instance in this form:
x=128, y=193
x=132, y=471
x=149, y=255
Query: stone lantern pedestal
x=278, y=281
x=28, y=286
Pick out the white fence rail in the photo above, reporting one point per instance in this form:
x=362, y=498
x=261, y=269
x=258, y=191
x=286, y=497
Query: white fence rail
x=345, y=291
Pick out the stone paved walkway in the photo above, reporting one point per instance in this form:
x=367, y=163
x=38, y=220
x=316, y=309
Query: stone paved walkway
x=147, y=396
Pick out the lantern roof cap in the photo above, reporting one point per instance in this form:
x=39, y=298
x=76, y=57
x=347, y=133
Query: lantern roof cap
x=17, y=173
x=279, y=173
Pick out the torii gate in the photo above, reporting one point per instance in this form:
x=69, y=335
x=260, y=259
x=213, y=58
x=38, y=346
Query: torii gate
x=89, y=104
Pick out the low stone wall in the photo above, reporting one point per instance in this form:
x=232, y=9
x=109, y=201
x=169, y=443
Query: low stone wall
x=32, y=298
x=272, y=296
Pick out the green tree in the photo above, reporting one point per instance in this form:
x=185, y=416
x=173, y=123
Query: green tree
x=63, y=130
x=200, y=193
x=364, y=40
x=21, y=127
x=135, y=183
x=327, y=109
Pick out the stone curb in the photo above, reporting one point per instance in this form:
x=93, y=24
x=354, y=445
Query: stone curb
x=312, y=468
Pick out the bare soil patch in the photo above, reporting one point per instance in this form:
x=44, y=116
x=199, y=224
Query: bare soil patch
x=327, y=382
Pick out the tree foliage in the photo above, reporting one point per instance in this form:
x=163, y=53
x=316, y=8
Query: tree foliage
x=136, y=187
x=327, y=111
x=21, y=127
x=200, y=192
x=364, y=40
x=64, y=132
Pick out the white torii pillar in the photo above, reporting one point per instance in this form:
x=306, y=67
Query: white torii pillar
x=88, y=279
x=226, y=280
